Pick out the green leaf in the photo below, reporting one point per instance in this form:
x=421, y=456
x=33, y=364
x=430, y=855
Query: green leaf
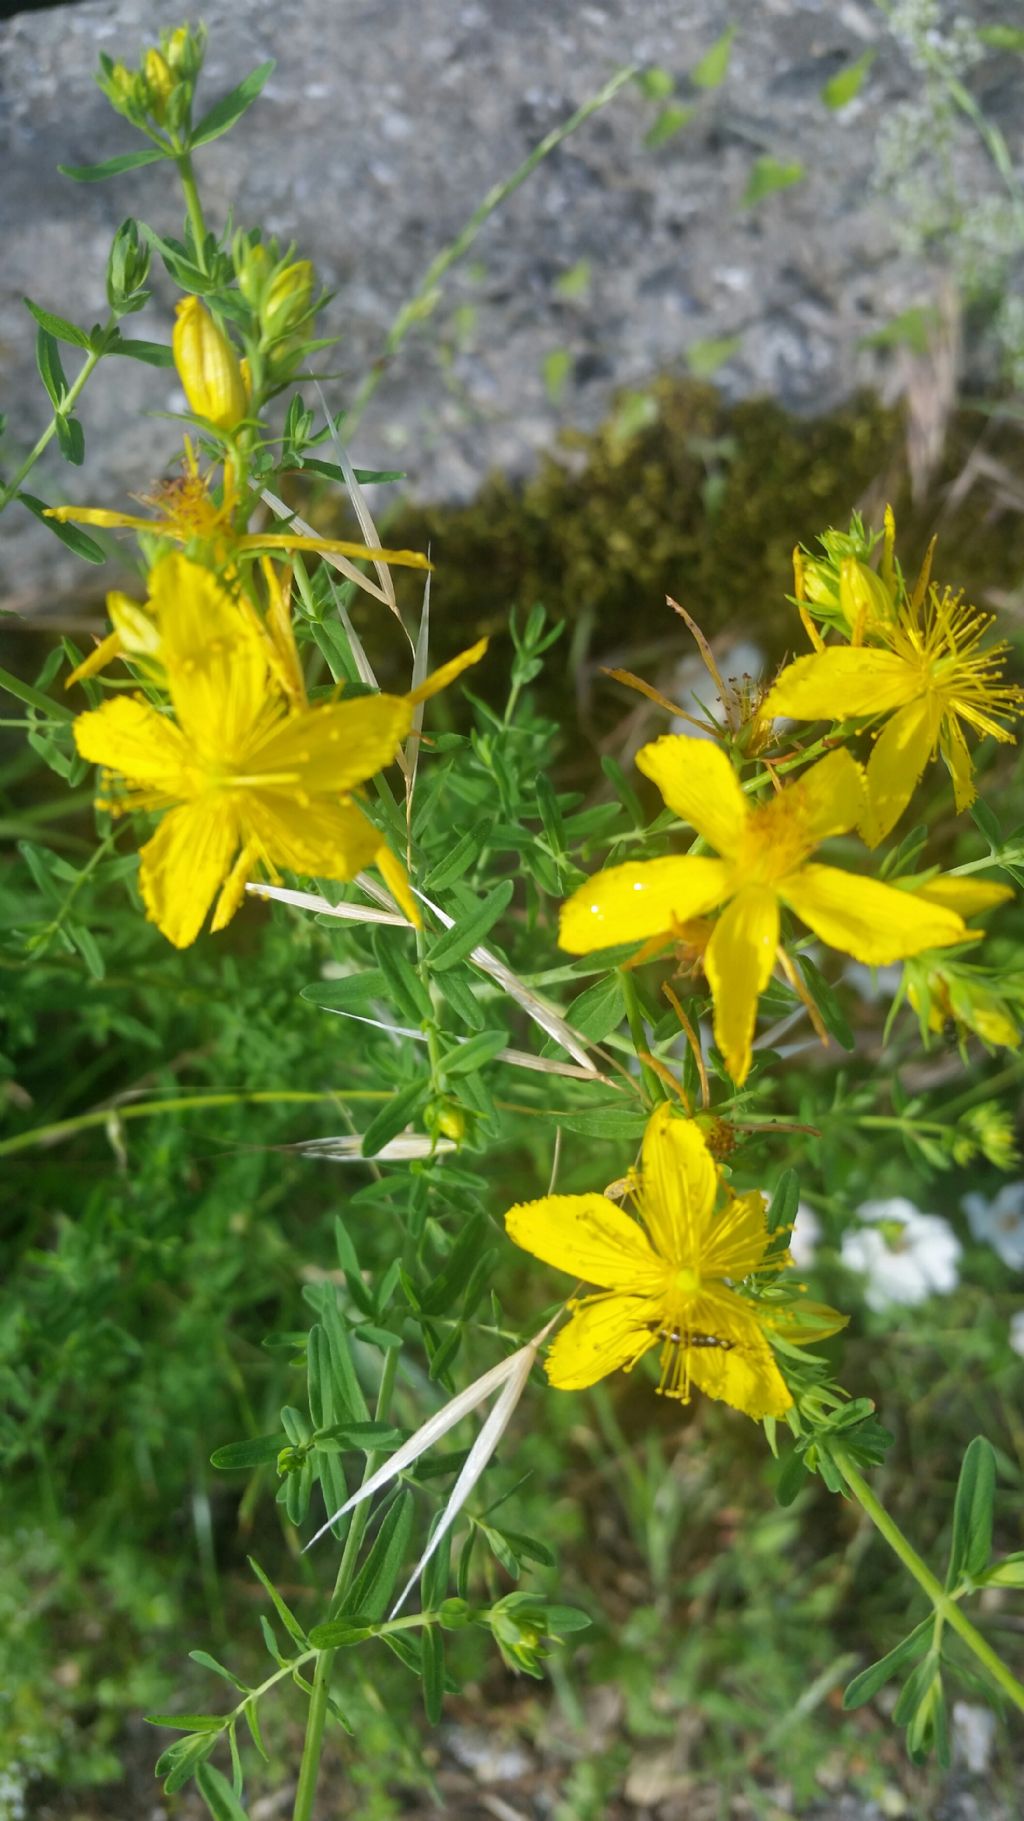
x=1007, y=1573
x=57, y=326
x=218, y=1795
x=670, y=121
x=567, y=1618
x=610, y=1120
x=113, y=167
x=179, y=1762
x=345, y=995
x=705, y=357
x=768, y=175
x=971, y=1544
x=337, y=1633
x=915, y=1688
x=469, y=931
x=375, y=1583
x=656, y=83
x=51, y=371
x=433, y=1672
x=785, y=1201
x=576, y=281
x=713, y=68
x=911, y=329
x=188, y=1722
x=366, y=477
x=877, y=1674
x=989, y=823
x=205, y=1660
x=256, y=1451
x=88, y=948
x=153, y=353
x=284, y=1612
x=70, y=438
x=76, y=540
x=555, y=369
x=846, y=85
x=599, y=1009
x=348, y=1393
x=439, y=1295
x=394, y=1117
x=458, y=859
x=832, y=1015
x=475, y=1053
x=225, y=112
x=1002, y=37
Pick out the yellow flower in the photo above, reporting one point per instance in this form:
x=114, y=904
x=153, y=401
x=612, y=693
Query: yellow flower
x=159, y=83
x=948, y=992
x=247, y=779
x=669, y=1282
x=208, y=367
x=764, y=865
x=930, y=676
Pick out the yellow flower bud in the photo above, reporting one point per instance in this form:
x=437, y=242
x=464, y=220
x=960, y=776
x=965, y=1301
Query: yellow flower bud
x=288, y=299
x=176, y=45
x=208, y=367
x=252, y=264
x=159, y=83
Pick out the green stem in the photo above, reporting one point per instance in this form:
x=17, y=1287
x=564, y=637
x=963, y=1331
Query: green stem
x=309, y=1770
x=194, y=207
x=421, y=302
x=148, y=1109
x=68, y=403
x=945, y=1606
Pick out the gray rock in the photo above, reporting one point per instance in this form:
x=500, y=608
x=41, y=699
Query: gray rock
x=376, y=137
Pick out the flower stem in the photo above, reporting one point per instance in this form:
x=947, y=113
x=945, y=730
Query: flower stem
x=194, y=207
x=309, y=1770
x=68, y=402
x=946, y=1608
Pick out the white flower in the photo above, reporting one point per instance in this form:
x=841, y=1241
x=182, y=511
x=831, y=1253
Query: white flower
x=1000, y=1223
x=905, y=1255
x=803, y=1241
x=1017, y=1332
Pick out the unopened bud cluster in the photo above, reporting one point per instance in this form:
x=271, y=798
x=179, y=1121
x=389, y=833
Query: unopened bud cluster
x=160, y=91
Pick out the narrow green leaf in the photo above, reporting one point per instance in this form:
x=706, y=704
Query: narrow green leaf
x=113, y=167
x=251, y=1716
x=475, y=1053
x=57, y=326
x=705, y=357
x=394, y=1117
x=599, y=1009
x=433, y=1672
x=284, y=1611
x=76, y=540
x=971, y=1543
x=1003, y=37
x=179, y=1762
x=832, y=1015
x=439, y=1295
x=231, y=107
x=337, y=1633
x=915, y=1689
x=204, y=1658
x=218, y=1795
x=348, y=1393
x=153, y=353
x=656, y=83
x=870, y=1680
x=255, y=1451
x=88, y=948
x=785, y=1201
x=355, y=991
x=469, y=931
x=51, y=372
x=375, y=1583
x=458, y=859
x=188, y=1722
x=367, y=477
x=670, y=121
x=567, y=1618
x=70, y=438
x=610, y=1120
x=846, y=85
x=768, y=175
x=713, y=68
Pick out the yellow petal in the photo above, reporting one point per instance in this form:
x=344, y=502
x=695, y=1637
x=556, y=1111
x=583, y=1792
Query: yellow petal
x=233, y=890
x=825, y=800
x=327, y=840
x=874, y=923
x=899, y=756
x=679, y=1186
x=958, y=762
x=699, y=785
x=842, y=681
x=396, y=879
x=738, y=964
x=215, y=661
x=605, y=1334
x=101, y=516
x=106, y=651
x=968, y=897
x=330, y=747
x=184, y=864
x=139, y=632
x=589, y=1237
x=736, y=1239
x=744, y=1374
x=645, y=898
x=333, y=546
x=440, y=679
x=127, y=736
